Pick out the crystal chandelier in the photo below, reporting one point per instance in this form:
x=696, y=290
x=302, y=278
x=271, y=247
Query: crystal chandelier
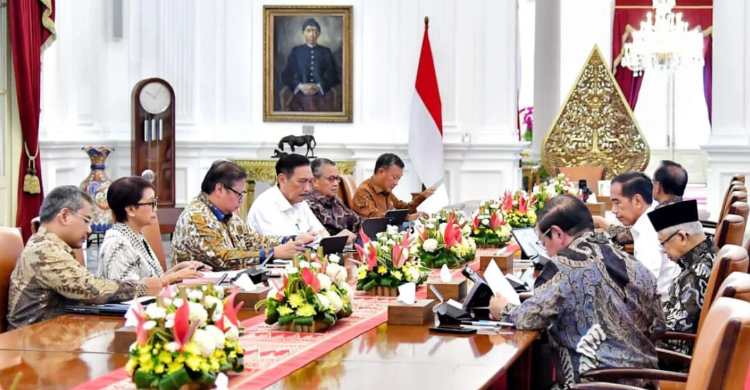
x=663, y=42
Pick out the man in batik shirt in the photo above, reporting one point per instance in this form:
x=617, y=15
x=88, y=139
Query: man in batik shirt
x=48, y=277
x=209, y=231
x=599, y=305
x=682, y=239
x=325, y=203
x=670, y=181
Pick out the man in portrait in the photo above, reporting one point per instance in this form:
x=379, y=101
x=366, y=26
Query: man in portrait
x=310, y=73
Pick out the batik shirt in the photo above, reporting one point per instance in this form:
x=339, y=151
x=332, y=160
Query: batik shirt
x=599, y=305
x=683, y=310
x=621, y=235
x=125, y=255
x=333, y=214
x=371, y=201
x=47, y=277
x=224, y=242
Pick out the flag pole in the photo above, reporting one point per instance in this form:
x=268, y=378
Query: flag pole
x=426, y=26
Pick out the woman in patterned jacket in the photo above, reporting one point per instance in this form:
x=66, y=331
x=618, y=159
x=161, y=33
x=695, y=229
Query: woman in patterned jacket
x=125, y=254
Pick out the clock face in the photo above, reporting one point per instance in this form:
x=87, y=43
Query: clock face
x=155, y=98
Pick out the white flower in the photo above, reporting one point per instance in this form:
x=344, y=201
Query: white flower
x=390, y=243
x=291, y=270
x=195, y=295
x=316, y=265
x=205, y=342
x=172, y=347
x=217, y=334
x=177, y=303
x=149, y=325
x=495, y=205
x=169, y=324
x=232, y=333
x=154, y=312
x=486, y=222
x=348, y=291
x=335, y=299
x=304, y=264
x=323, y=301
x=466, y=230
x=325, y=281
x=337, y=273
x=167, y=301
x=204, y=287
x=430, y=245
x=217, y=314
x=385, y=248
x=442, y=226
x=220, y=293
x=334, y=258
x=132, y=346
x=391, y=229
x=430, y=225
x=414, y=274
x=536, y=189
x=212, y=301
x=197, y=313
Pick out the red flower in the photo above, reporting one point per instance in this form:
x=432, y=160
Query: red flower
x=182, y=329
x=142, y=335
x=452, y=234
x=310, y=279
x=476, y=222
x=230, y=311
x=508, y=201
x=522, y=207
x=399, y=257
x=496, y=221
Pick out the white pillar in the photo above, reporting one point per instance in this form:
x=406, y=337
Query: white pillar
x=546, y=71
x=729, y=149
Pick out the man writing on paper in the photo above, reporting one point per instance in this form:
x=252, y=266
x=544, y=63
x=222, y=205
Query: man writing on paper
x=599, y=304
x=48, y=276
x=209, y=231
x=375, y=195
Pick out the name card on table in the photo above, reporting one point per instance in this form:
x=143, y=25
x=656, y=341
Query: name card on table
x=504, y=261
x=455, y=289
x=420, y=313
x=252, y=297
x=598, y=208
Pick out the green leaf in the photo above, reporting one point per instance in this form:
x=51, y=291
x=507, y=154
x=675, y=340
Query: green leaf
x=175, y=380
x=303, y=321
x=142, y=379
x=370, y=285
x=385, y=282
x=283, y=320
x=329, y=319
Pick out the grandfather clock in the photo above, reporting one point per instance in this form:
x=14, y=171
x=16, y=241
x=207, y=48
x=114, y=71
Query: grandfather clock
x=153, y=125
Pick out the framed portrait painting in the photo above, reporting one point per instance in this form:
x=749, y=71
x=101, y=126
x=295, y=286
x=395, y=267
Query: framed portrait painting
x=307, y=63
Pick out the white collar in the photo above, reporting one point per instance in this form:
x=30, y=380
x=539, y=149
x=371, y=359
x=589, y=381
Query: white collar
x=281, y=200
x=643, y=222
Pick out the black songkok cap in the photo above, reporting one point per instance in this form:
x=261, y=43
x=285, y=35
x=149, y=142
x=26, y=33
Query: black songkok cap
x=674, y=214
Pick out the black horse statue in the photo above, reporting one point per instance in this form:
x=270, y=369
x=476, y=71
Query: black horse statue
x=299, y=140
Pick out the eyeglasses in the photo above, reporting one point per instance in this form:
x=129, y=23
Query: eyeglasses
x=331, y=179
x=87, y=220
x=153, y=203
x=240, y=194
x=662, y=243
x=540, y=241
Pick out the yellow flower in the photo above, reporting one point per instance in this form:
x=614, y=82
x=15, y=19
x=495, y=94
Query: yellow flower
x=397, y=275
x=232, y=355
x=382, y=270
x=165, y=357
x=205, y=367
x=191, y=348
x=159, y=369
x=295, y=300
x=285, y=310
x=361, y=272
x=147, y=365
x=194, y=362
x=174, y=367
x=130, y=367
x=306, y=310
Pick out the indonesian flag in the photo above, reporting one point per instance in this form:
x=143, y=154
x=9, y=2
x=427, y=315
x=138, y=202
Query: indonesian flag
x=426, y=128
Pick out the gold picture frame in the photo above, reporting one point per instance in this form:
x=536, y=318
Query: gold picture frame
x=297, y=86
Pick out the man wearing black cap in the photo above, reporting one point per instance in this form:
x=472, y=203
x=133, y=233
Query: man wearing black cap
x=310, y=72
x=682, y=240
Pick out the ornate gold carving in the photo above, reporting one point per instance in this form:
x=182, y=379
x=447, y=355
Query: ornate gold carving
x=595, y=126
x=265, y=171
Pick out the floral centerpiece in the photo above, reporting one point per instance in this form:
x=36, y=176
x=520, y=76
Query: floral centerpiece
x=540, y=196
x=313, y=296
x=519, y=209
x=448, y=242
x=388, y=263
x=489, y=227
x=559, y=185
x=190, y=338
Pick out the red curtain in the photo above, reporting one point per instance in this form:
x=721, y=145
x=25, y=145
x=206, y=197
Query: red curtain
x=31, y=29
x=628, y=17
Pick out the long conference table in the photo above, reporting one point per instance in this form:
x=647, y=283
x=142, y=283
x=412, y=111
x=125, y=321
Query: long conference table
x=73, y=349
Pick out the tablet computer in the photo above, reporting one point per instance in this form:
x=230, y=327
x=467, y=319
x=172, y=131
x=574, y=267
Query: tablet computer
x=109, y=309
x=397, y=216
x=333, y=244
x=527, y=239
x=373, y=226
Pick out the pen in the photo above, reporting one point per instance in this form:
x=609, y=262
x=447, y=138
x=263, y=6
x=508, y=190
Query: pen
x=489, y=323
x=480, y=327
x=221, y=280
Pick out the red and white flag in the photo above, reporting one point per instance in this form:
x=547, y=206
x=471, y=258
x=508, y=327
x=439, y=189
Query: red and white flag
x=426, y=128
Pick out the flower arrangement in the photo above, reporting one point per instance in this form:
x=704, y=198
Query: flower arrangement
x=489, y=226
x=388, y=262
x=528, y=120
x=446, y=242
x=559, y=185
x=540, y=196
x=314, y=291
x=519, y=209
x=189, y=338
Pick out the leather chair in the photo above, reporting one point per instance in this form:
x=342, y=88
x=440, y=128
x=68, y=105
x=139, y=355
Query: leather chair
x=739, y=177
x=168, y=219
x=730, y=231
x=734, y=194
x=152, y=234
x=591, y=174
x=730, y=259
x=722, y=355
x=736, y=285
x=11, y=246
x=346, y=190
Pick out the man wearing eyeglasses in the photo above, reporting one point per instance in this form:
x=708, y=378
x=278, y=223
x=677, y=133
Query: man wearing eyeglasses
x=210, y=231
x=597, y=303
x=682, y=240
x=325, y=203
x=47, y=277
x=282, y=209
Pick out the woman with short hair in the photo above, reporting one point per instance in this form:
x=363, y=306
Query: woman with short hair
x=125, y=254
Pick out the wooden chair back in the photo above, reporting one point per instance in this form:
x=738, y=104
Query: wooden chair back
x=736, y=285
x=731, y=230
x=346, y=190
x=152, y=234
x=590, y=173
x=731, y=258
x=11, y=246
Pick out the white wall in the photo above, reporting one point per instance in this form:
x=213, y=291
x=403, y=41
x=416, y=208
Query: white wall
x=212, y=54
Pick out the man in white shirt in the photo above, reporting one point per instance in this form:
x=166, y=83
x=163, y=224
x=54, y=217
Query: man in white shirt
x=632, y=200
x=282, y=209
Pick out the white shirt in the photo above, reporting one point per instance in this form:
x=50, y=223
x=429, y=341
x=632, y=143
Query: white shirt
x=272, y=214
x=647, y=250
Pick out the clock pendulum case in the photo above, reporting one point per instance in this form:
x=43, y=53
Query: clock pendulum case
x=153, y=124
